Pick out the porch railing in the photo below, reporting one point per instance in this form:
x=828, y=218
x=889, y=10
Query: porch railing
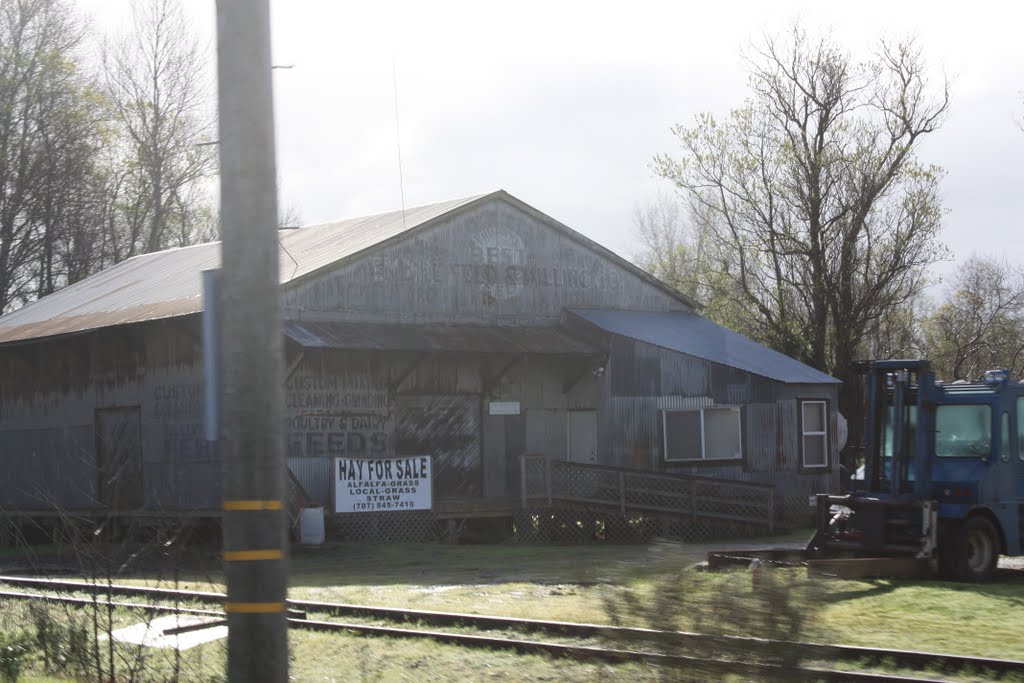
x=546, y=481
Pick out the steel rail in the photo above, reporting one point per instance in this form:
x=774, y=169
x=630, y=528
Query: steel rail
x=89, y=602
x=614, y=634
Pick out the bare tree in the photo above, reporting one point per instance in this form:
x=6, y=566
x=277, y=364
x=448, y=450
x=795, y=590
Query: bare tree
x=823, y=217
x=157, y=82
x=897, y=335
x=979, y=325
x=290, y=217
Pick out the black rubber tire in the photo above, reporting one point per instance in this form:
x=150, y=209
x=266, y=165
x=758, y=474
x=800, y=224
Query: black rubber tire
x=969, y=550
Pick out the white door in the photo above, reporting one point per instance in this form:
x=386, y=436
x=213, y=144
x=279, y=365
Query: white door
x=583, y=436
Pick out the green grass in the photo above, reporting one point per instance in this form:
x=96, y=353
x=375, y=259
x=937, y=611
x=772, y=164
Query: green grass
x=934, y=616
x=646, y=585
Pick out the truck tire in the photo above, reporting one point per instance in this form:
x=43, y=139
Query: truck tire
x=969, y=550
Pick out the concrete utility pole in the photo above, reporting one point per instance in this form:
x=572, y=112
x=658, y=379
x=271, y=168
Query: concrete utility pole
x=252, y=445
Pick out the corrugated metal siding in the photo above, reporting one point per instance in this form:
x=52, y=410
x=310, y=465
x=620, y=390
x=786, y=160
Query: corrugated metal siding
x=631, y=433
x=760, y=436
x=316, y=476
x=43, y=467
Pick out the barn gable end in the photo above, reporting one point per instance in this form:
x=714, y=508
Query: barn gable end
x=495, y=261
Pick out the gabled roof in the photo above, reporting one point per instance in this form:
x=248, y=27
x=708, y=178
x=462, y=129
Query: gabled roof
x=695, y=335
x=168, y=283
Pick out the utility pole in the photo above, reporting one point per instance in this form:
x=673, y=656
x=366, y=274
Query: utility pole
x=254, y=514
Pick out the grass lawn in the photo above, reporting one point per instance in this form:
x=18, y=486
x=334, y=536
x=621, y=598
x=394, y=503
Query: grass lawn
x=648, y=585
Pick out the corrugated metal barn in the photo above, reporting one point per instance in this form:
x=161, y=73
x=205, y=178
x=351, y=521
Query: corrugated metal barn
x=476, y=331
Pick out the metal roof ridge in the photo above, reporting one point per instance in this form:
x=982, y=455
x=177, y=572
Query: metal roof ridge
x=457, y=200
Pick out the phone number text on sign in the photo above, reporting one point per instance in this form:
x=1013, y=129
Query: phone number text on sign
x=382, y=484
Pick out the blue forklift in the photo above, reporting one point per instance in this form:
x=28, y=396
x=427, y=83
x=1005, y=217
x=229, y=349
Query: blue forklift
x=942, y=486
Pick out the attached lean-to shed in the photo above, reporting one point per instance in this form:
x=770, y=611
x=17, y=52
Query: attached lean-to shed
x=478, y=333
x=685, y=395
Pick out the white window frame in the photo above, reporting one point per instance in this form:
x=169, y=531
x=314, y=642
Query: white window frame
x=703, y=444
x=803, y=433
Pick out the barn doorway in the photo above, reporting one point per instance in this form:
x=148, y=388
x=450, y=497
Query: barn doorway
x=582, y=431
x=119, y=457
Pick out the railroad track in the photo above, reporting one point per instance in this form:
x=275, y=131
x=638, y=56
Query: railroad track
x=629, y=644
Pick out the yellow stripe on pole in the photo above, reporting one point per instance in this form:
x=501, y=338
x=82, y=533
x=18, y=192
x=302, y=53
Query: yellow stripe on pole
x=253, y=607
x=234, y=505
x=252, y=555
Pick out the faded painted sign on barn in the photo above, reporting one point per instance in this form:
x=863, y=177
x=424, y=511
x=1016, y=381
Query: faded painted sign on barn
x=335, y=415
x=382, y=484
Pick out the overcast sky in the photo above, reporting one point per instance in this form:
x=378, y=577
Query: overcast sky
x=563, y=104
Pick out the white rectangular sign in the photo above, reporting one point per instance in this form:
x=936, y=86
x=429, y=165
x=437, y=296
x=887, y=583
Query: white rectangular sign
x=504, y=408
x=382, y=484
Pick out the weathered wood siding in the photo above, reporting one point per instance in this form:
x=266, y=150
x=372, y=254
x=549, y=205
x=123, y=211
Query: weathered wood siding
x=492, y=264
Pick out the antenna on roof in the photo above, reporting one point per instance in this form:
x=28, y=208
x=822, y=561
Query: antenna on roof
x=398, y=137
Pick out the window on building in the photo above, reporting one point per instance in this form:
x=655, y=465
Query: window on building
x=703, y=434
x=814, y=433
x=963, y=431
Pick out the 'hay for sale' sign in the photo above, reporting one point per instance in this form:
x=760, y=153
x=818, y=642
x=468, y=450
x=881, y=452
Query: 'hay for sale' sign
x=382, y=484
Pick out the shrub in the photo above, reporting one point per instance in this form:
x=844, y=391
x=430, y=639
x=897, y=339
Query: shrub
x=15, y=649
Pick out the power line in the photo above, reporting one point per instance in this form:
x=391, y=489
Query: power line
x=398, y=137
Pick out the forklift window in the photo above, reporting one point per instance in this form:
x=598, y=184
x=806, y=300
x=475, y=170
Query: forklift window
x=963, y=431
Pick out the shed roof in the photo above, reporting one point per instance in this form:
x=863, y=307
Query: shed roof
x=168, y=283
x=695, y=335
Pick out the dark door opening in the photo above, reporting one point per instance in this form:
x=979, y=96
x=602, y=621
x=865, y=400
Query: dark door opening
x=119, y=457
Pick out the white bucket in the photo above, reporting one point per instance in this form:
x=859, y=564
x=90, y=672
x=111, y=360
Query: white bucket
x=311, y=525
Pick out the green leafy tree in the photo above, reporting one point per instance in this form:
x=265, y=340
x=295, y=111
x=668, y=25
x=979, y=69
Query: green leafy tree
x=820, y=219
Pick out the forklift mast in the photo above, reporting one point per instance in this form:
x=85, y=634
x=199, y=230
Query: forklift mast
x=892, y=389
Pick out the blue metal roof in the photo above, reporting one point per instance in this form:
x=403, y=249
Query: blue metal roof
x=695, y=335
